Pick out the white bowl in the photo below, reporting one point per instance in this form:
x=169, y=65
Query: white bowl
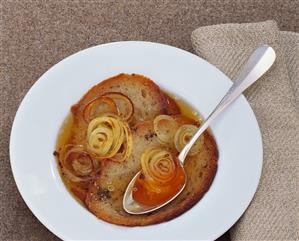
x=47, y=103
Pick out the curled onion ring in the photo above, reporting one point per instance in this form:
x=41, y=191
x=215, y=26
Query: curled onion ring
x=165, y=127
x=182, y=137
x=158, y=167
x=98, y=106
x=161, y=177
x=109, y=137
x=124, y=105
x=77, y=164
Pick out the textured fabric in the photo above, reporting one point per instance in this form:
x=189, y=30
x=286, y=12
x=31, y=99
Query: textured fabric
x=34, y=35
x=273, y=213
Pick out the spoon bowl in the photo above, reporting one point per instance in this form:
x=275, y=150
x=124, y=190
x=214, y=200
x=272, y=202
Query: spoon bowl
x=133, y=207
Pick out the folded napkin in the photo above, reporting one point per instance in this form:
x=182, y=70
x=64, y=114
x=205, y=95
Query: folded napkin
x=273, y=212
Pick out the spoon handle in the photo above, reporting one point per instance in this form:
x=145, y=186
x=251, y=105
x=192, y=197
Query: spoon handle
x=258, y=64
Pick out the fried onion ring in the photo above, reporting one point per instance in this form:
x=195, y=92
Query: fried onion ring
x=109, y=137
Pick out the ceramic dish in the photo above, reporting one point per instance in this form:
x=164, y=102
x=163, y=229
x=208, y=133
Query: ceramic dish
x=181, y=73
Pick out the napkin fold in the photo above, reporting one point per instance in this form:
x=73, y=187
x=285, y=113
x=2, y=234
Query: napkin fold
x=274, y=211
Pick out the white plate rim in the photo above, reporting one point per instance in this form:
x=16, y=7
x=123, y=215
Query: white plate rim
x=28, y=94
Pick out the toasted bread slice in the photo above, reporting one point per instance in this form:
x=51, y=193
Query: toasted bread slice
x=105, y=195
x=146, y=96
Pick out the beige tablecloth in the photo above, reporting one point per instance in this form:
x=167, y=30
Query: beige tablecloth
x=34, y=35
x=273, y=214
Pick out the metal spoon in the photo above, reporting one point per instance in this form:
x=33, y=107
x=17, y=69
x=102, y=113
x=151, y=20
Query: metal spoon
x=258, y=64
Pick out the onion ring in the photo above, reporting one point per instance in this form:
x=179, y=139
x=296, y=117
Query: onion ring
x=165, y=127
x=158, y=167
x=161, y=177
x=76, y=163
x=124, y=105
x=109, y=137
x=182, y=137
x=99, y=106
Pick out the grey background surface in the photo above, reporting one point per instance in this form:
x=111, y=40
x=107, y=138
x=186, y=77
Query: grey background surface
x=34, y=35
